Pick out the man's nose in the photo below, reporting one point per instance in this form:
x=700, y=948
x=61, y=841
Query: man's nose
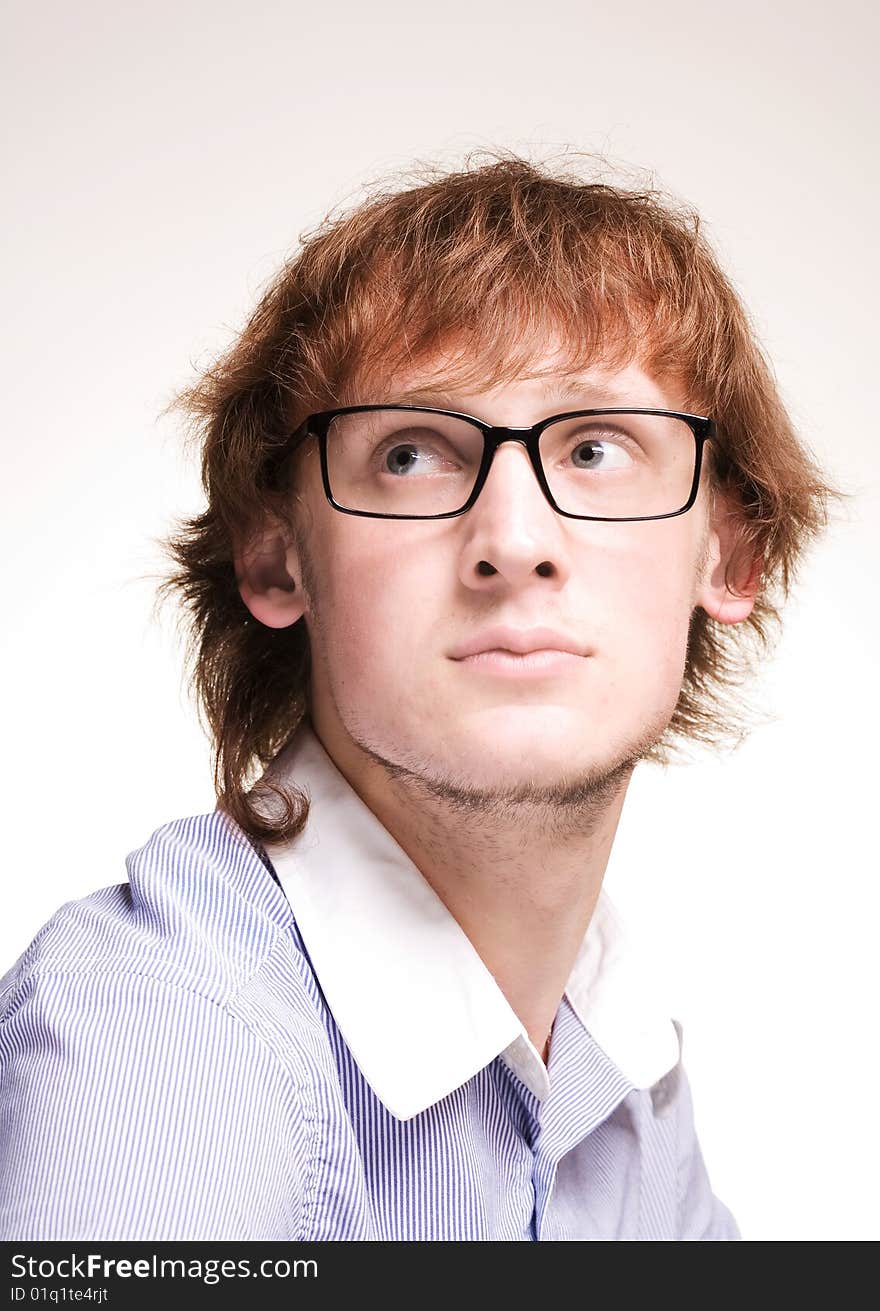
x=514, y=531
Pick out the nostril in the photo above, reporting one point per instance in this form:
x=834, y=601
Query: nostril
x=545, y=568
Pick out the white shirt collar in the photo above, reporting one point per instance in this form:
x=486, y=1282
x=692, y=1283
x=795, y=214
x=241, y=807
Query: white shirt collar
x=418, y=1008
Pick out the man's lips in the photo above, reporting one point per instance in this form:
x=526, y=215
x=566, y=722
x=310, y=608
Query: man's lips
x=543, y=663
x=509, y=652
x=502, y=640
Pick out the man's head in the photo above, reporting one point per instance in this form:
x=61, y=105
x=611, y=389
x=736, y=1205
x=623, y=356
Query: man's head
x=509, y=294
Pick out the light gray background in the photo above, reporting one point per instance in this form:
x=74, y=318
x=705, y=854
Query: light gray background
x=162, y=161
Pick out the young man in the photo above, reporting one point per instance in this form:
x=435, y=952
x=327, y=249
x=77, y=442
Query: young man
x=495, y=474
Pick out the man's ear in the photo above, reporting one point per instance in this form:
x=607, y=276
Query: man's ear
x=730, y=569
x=267, y=570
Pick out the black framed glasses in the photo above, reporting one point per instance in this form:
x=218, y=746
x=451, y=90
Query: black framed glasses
x=417, y=462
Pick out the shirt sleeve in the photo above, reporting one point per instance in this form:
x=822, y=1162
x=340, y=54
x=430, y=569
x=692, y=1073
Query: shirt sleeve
x=131, y=1108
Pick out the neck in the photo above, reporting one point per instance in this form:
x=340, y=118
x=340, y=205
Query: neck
x=520, y=878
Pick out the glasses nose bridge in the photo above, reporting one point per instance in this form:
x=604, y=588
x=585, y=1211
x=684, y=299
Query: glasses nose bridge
x=527, y=437
x=496, y=436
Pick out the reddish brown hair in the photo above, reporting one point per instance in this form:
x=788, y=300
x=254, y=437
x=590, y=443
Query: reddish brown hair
x=498, y=253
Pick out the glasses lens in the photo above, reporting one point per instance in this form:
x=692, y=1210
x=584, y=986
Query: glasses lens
x=619, y=466
x=402, y=461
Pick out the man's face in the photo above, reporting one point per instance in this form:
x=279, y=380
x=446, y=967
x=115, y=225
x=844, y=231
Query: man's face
x=388, y=602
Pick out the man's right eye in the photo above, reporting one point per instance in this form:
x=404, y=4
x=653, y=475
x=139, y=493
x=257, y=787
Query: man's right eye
x=426, y=450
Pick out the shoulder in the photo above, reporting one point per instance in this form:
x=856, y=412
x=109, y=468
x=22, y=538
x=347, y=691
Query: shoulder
x=148, y=1027
x=200, y=915
x=200, y=909
x=676, y=1159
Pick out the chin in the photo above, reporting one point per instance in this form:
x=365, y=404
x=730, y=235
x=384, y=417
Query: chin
x=529, y=734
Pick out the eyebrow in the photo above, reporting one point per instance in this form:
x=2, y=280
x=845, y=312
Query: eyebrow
x=591, y=392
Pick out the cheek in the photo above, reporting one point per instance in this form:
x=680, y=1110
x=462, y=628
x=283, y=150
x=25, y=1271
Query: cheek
x=373, y=599
x=647, y=610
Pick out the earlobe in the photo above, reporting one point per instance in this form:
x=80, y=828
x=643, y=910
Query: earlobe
x=730, y=576
x=265, y=582
x=729, y=606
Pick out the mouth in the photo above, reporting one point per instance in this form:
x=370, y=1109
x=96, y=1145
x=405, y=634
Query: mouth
x=545, y=663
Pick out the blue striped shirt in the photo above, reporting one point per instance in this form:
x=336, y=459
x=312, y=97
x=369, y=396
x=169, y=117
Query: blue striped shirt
x=300, y=1043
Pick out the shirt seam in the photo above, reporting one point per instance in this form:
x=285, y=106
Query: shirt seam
x=124, y=969
x=29, y=964
x=31, y=969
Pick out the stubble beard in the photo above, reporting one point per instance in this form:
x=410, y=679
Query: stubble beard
x=571, y=804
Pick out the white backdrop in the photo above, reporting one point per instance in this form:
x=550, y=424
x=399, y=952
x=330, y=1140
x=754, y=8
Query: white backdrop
x=163, y=160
